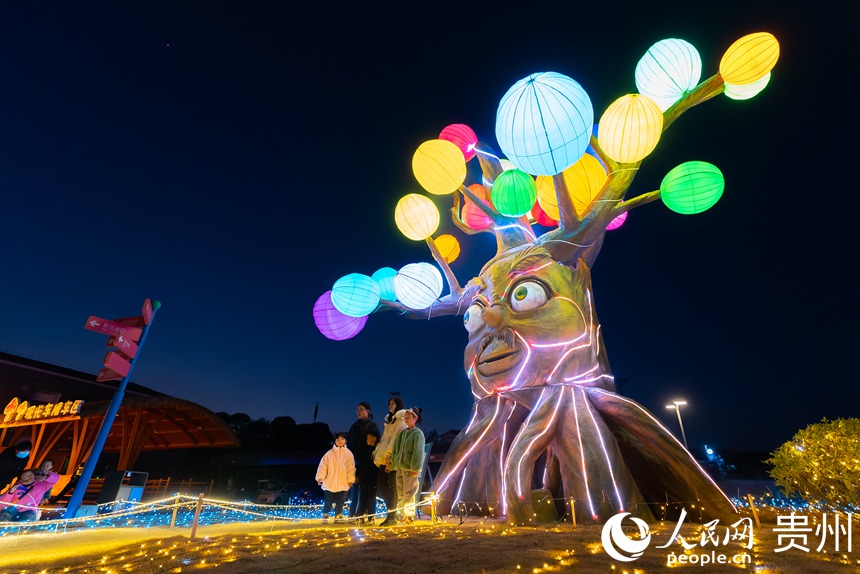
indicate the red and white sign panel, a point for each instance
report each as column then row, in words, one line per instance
column 147, row 311
column 125, row 346
column 131, row 321
column 100, row 325
column 108, row 375
column 116, row 363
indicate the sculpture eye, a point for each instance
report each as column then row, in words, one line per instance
column 528, row 295
column 472, row 320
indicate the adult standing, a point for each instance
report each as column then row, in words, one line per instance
column 386, row 481
column 356, row 440
column 13, row 461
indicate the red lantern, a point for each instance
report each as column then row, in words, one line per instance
column 471, row 213
column 541, row 217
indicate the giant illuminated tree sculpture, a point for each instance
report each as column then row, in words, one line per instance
column 545, row 412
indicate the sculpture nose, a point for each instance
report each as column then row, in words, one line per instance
column 493, row 316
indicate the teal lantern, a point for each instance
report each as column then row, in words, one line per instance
column 355, row 295
column 385, row 281
column 692, row 187
column 668, row 71
column 543, row 124
column 514, row 193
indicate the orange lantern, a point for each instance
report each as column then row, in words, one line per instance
column 749, row 59
column 448, row 246
column 584, row 180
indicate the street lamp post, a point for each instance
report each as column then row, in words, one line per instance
column 677, row 406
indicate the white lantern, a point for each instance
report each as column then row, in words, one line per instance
column 418, row 285
column 669, row 69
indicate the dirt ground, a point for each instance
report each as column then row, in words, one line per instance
column 476, row 546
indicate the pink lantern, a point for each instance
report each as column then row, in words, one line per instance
column 332, row 323
column 617, row 222
column 471, row 213
column 463, row 137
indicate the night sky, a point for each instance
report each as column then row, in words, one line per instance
column 233, row 159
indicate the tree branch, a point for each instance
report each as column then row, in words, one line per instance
column 711, row 87
column 626, row 206
column 568, row 219
column 453, row 284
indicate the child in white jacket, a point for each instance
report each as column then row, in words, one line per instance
column 335, row 474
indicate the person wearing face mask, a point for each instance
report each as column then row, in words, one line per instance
column 13, row 461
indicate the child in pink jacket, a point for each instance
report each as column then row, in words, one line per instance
column 335, row 474
column 21, row 502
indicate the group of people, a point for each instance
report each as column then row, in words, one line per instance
column 365, row 462
column 25, row 489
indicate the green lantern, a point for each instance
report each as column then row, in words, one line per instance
column 692, row 187
column 514, row 193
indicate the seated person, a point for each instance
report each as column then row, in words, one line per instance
column 21, row 502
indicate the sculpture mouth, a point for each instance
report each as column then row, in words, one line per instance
column 499, row 353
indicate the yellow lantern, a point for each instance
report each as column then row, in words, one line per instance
column 749, row 59
column 439, row 166
column 448, row 246
column 546, row 197
column 584, row 180
column 630, row 128
column 416, row 216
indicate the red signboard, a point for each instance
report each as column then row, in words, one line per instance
column 147, row 311
column 108, row 375
column 131, row 321
column 100, row 325
column 125, row 346
column 116, row 363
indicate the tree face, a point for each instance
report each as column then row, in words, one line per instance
column 532, row 324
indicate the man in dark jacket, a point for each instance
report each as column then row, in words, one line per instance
column 13, row 461
column 356, row 440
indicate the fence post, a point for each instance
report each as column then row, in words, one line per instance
column 433, row 508
column 754, row 510
column 572, row 512
column 175, row 509
column 196, row 515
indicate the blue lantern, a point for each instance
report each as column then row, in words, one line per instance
column 355, row 295
column 543, row 123
column 385, row 281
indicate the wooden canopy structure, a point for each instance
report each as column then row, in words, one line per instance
column 142, row 424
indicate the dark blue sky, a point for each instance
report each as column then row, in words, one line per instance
column 234, row 159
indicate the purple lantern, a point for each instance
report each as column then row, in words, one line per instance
column 334, row 324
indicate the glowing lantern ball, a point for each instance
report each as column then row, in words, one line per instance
column 547, row 199
column 514, row 193
column 332, row 323
column 584, row 180
column 630, row 128
column 668, row 70
column 355, row 295
column 749, row 58
column 471, row 214
column 461, row 136
column 543, row 123
column 617, row 222
column 416, row 216
column 540, row 216
column 385, row 281
column 439, row 166
column 448, row 246
column 692, row 187
column 418, row 285
column 747, row 91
